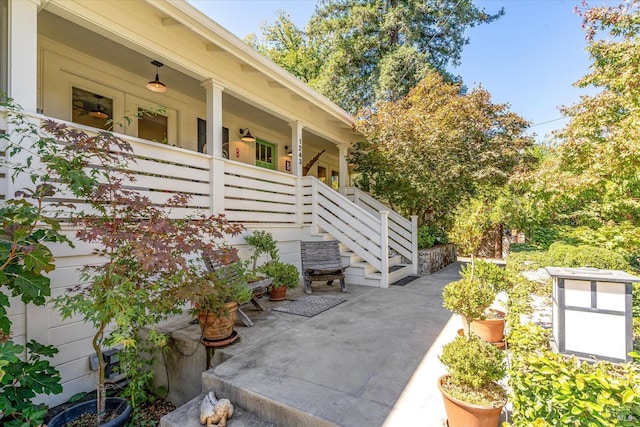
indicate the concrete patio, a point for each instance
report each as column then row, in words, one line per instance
column 370, row 361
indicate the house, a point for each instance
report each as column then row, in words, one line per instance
column 239, row 134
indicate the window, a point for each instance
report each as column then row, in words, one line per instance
column 335, row 179
column 152, row 127
column 322, row 174
column 265, row 154
column 90, row 109
column 202, row 138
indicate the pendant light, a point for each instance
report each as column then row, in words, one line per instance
column 98, row 112
column 247, row 137
column 156, row 85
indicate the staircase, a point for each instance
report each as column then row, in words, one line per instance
column 379, row 246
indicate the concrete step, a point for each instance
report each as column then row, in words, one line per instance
column 266, row 409
column 188, row 415
column 401, row 273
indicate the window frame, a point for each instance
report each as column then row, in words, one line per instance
column 263, row 163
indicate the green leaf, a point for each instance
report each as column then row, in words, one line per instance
column 628, row 396
column 32, row 287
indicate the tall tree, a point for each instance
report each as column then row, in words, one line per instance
column 436, row 147
column 289, row 47
column 372, row 50
column 591, row 177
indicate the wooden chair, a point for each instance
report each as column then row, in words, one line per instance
column 321, row 261
column 258, row 288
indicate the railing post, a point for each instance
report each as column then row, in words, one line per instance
column 414, row 244
column 299, row 204
column 384, row 248
column 216, row 185
column 314, row 206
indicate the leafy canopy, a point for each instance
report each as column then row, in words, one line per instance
column 358, row 52
column 436, row 147
column 590, row 178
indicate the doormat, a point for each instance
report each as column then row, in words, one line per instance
column 310, row 305
column 404, row 280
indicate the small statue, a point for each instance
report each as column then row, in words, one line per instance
column 215, row 411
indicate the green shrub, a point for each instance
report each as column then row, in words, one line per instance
column 431, row 235
column 564, row 255
column 553, row 390
column 519, row 301
column 468, row 298
column 261, row 243
column 542, row 237
column 474, row 367
column 282, row 274
column 489, row 273
column 528, row 338
column 523, row 247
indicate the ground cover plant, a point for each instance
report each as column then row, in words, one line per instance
column 549, row 389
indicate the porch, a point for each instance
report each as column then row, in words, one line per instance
column 75, row 58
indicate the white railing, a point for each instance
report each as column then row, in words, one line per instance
column 257, row 195
column 362, row 232
column 403, row 234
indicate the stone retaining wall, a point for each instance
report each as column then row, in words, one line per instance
column 433, row 259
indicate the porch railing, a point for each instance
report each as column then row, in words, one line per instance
column 403, row 234
column 364, row 233
column 256, row 195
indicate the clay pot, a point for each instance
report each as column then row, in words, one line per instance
column 499, row 344
column 463, row 414
column 278, row 294
column 489, row 330
column 216, row 327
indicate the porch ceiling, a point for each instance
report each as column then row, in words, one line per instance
column 102, row 48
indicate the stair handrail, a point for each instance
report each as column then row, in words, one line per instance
column 364, row 233
column 403, row 234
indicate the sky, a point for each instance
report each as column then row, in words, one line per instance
column 528, row 58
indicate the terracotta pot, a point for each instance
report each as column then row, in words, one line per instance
column 463, row 414
column 218, row 328
column 278, row 294
column 489, row 330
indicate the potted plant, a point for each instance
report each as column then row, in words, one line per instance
column 284, row 276
column 215, row 300
column 261, row 243
column 471, row 393
column 471, row 296
column 490, row 325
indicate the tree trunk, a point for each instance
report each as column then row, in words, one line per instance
column 497, row 251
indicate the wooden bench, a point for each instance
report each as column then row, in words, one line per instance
column 258, row 288
column 321, row 261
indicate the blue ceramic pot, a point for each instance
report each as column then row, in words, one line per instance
column 121, row 406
